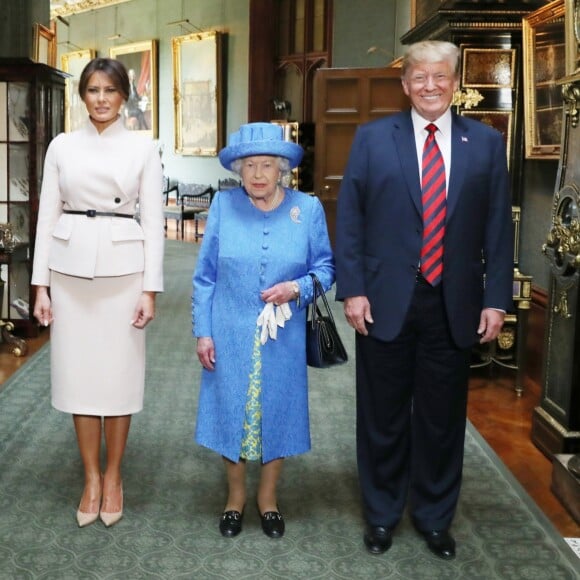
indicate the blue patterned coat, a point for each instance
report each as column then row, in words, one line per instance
column 245, row 251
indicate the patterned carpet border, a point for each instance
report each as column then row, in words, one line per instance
column 174, row 490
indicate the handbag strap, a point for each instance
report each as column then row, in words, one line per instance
column 319, row 292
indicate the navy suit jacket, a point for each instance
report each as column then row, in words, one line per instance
column 379, row 225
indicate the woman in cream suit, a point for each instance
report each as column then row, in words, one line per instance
column 97, row 271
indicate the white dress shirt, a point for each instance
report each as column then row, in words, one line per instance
column 442, row 136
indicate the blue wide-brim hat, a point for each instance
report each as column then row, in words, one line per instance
column 260, row 139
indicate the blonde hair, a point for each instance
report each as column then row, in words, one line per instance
column 431, row 51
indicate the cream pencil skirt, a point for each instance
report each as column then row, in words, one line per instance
column 97, row 355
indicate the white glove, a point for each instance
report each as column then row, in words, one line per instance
column 267, row 320
column 283, row 313
column 270, row 319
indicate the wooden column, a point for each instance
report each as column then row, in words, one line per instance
column 262, row 56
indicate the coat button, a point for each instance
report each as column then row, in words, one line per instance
column 117, row 200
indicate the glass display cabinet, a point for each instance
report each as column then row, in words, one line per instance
column 31, row 114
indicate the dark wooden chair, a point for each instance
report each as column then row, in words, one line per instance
column 169, row 188
column 192, row 203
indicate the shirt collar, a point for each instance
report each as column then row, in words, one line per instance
column 419, row 123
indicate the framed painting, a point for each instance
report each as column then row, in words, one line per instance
column 197, row 91
column 44, row 45
column 545, row 62
column 73, row 63
column 140, row 112
column 492, row 68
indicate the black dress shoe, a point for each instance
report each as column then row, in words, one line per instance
column 441, row 543
column 378, row 539
column 231, row 523
column 273, row 524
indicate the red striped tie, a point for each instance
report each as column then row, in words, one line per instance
column 434, row 199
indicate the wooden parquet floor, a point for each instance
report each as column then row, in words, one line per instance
column 502, row 418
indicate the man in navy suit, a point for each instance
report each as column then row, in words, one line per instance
column 417, row 318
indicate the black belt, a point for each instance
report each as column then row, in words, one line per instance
column 94, row 213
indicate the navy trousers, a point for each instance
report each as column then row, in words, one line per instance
column 411, row 417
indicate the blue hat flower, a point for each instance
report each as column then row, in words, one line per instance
column 260, row 139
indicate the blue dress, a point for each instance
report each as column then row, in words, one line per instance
column 244, row 251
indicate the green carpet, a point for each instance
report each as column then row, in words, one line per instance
column 174, row 490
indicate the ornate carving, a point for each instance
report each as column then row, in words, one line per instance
column 467, row 98
column 571, row 94
column 565, row 241
column 7, row 241
column 561, row 306
column 68, row 7
column 17, row 345
column 506, row 338
column 562, row 245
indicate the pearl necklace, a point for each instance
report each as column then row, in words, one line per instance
column 273, row 204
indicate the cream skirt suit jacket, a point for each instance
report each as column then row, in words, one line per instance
column 97, row 267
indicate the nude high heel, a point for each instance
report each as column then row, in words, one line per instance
column 111, row 518
column 86, row 518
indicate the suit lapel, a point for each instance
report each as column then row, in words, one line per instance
column 404, row 137
column 460, row 147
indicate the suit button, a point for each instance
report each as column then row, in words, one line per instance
column 117, row 200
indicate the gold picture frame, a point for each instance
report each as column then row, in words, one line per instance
column 44, row 44
column 197, row 93
column 544, row 54
column 67, row 8
column 572, row 36
column 140, row 112
column 73, row 63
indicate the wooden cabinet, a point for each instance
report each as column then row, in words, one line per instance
column 31, row 114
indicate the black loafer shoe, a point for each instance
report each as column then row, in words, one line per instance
column 378, row 539
column 231, row 523
column 441, row 543
column 273, row 524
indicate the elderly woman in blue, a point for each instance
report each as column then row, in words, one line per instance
column 251, row 289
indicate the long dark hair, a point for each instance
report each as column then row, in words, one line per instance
column 113, row 68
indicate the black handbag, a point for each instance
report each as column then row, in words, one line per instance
column 323, row 345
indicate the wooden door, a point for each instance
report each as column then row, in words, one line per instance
column 345, row 98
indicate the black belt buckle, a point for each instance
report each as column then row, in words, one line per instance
column 91, row 213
